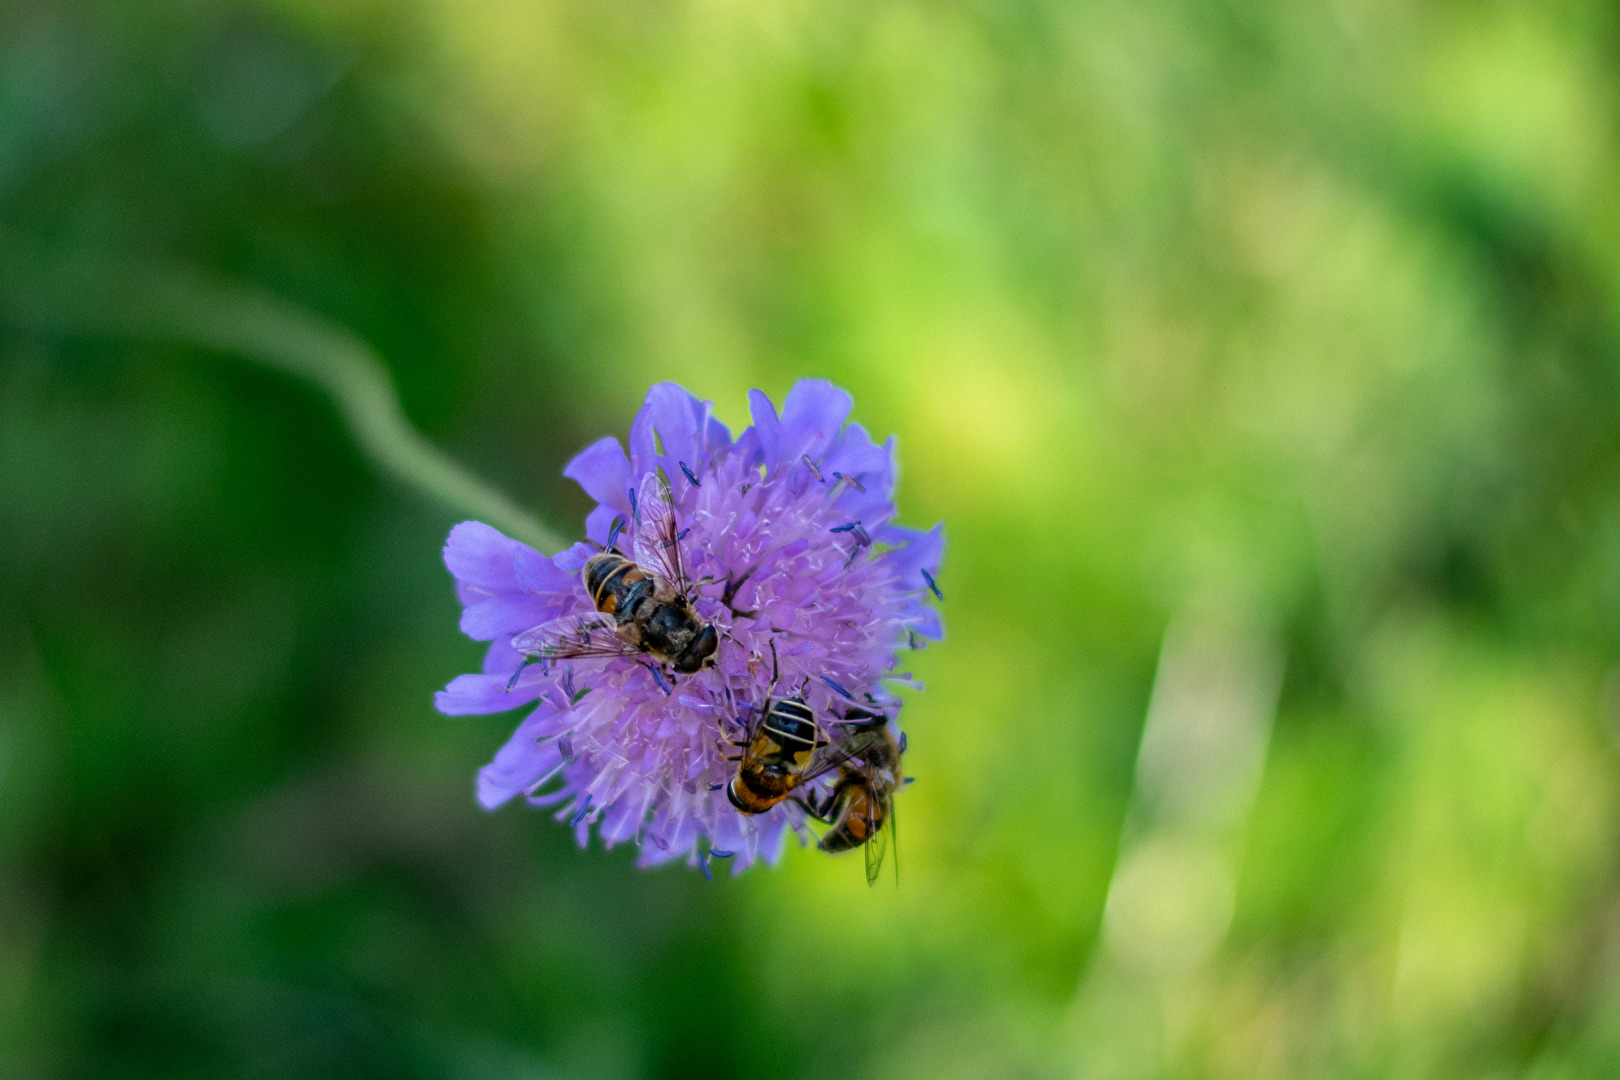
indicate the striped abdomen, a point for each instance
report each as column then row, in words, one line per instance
column 858, row 812
column 776, row 756
column 609, row 578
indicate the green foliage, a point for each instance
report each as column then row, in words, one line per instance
column 1300, row 315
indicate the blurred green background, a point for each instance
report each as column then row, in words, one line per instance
column 1263, row 360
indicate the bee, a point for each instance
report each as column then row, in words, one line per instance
column 643, row 605
column 776, row 751
column 860, row 807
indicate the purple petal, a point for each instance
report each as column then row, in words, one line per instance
column 523, row 761
column 921, row 551
column 540, row 575
column 508, row 614
column 470, row 694
column 483, row 557
column 604, row 472
column 812, row 416
column 767, row 429
column 684, row 424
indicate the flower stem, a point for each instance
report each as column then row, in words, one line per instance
column 252, row 324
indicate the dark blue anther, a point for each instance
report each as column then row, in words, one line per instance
column 565, row 746
column 703, row 864
column 911, row 639
column 851, row 527
column 658, row 677
column 718, row 854
column 635, row 511
column 584, row 808
column 688, row 473
column 614, row 530
column 837, row 688
column 527, row 660
column 716, row 787
column 812, row 467
column 568, row 683
column 931, row 585
column 902, row 742
column 862, row 537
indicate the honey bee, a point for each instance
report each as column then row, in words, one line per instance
column 643, row 605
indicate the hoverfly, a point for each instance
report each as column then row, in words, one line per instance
column 643, row 605
column 860, row 807
column 784, row 749
column 776, row 750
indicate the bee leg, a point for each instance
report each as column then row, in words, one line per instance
column 730, row 594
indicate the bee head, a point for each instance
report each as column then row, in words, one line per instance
column 699, row 654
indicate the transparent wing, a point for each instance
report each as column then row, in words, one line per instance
column 878, row 842
column 654, row 536
column 573, row 637
column 861, row 744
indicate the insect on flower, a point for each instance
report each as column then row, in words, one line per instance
column 860, row 807
column 643, row 606
column 631, row 662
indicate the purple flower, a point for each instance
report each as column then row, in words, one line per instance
column 795, row 516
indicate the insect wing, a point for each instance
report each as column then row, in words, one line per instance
column 880, row 839
column 655, row 539
column 574, row 637
column 859, row 745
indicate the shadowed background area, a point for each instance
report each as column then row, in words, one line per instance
column 1263, row 361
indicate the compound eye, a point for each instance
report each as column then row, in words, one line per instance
column 707, row 643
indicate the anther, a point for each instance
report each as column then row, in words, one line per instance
column 689, row 474
column 852, row 482
column 862, row 536
column 658, row 677
column 850, row 527
column 510, row 683
column 812, row 467
column 635, row 511
column 579, row 816
column 934, row 588
column 614, row 530
column 839, row 689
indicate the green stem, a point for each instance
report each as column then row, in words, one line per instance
column 254, row 325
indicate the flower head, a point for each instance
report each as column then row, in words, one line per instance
column 787, row 537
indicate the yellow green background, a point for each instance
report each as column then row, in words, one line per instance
column 1293, row 326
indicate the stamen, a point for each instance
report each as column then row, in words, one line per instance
column 527, row 660
column 635, row 511
column 658, row 677
column 688, row 473
column 931, row 585
column 862, row 535
column 579, row 816
column 812, row 466
column 850, row 527
column 837, row 688
column 852, row 481
column 613, row 531
column 565, row 746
